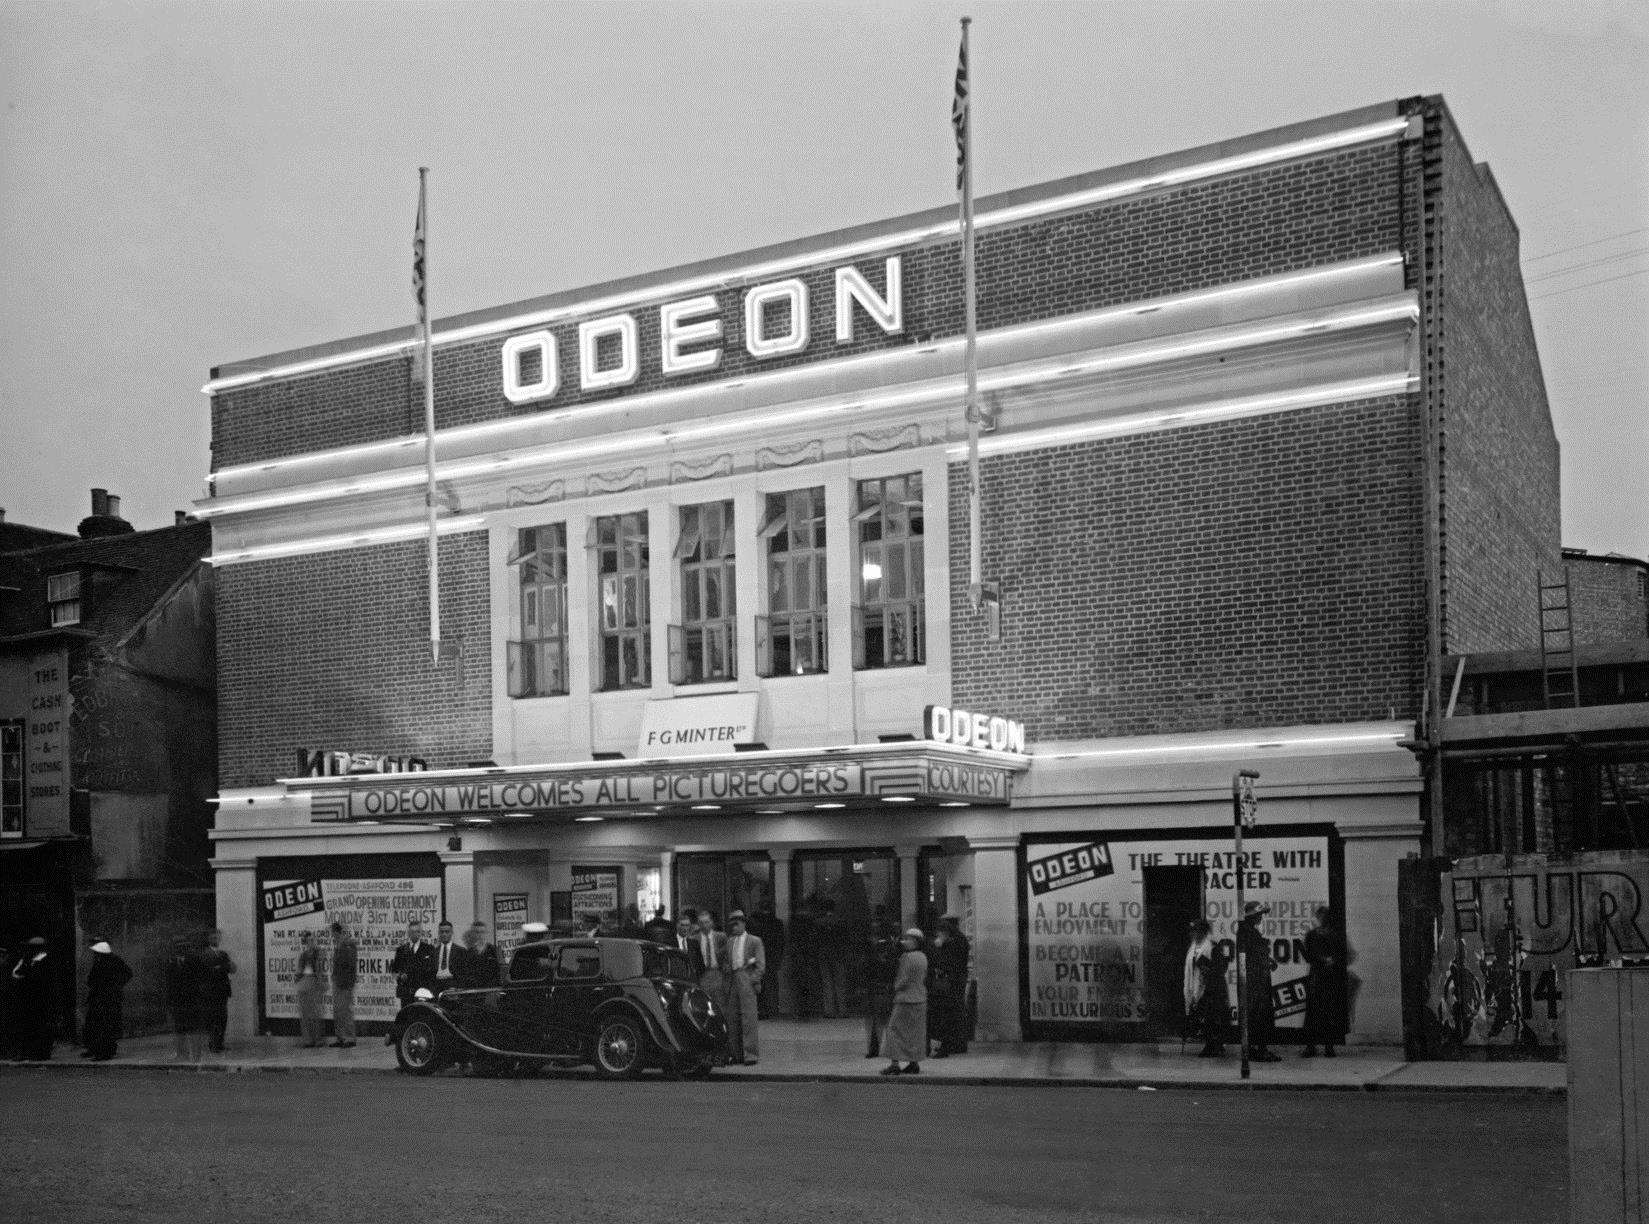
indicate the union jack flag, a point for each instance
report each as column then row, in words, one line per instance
column 418, row 282
column 959, row 111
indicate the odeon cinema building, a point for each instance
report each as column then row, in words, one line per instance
column 1264, row 440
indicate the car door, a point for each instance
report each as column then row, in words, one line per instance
column 577, row 991
column 517, row 1022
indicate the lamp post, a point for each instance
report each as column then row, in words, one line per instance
column 1244, row 808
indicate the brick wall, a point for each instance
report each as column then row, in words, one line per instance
column 1500, row 519
column 1262, row 572
column 1607, row 599
column 332, row 651
column 1336, row 207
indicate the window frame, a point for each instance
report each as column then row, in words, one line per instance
column 56, row 599
column 706, row 581
column 532, row 552
column 794, row 537
column 626, row 529
column 890, row 519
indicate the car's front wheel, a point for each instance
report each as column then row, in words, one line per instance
column 419, row 1050
column 620, row 1048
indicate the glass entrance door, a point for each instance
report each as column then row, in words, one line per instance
column 722, row 883
column 834, row 896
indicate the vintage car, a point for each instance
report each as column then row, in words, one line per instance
column 622, row 1004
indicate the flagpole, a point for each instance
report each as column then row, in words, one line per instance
column 976, row 589
column 428, row 359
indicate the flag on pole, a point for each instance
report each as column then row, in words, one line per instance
column 426, row 361
column 959, row 112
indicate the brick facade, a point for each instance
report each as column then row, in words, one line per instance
column 332, row 651
column 1608, row 598
column 1193, row 237
column 1499, row 452
column 1251, row 573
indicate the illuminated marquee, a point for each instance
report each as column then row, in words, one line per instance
column 775, row 318
column 971, row 729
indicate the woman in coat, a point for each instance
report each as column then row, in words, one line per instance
column 105, row 986
column 183, row 978
column 1207, row 1004
column 309, row 992
column 906, row 1037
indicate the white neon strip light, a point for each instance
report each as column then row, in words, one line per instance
column 937, row 390
column 1191, row 414
column 1281, row 744
column 1385, row 129
column 841, row 366
column 354, row 539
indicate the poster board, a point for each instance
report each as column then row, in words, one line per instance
column 1083, row 909
column 509, row 911
column 595, row 891
column 297, row 895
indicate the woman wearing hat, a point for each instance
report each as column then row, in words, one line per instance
column 1255, row 949
column 906, row 1037
column 105, row 986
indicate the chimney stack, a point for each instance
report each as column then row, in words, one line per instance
column 179, row 517
column 104, row 519
column 100, row 502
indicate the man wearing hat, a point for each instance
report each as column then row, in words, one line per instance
column 1255, row 949
column 746, row 963
column 532, row 932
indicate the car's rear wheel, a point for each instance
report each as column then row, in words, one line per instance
column 620, row 1048
column 419, row 1051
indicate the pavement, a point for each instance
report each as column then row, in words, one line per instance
column 833, row 1050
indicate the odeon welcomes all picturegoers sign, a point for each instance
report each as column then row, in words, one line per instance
column 776, row 323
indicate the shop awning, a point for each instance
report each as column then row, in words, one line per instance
column 860, row 776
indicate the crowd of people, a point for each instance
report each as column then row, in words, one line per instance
column 1208, row 1006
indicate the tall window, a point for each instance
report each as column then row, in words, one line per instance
column 790, row 639
column 621, row 547
column 538, row 662
column 888, row 625
column 703, row 646
column 63, row 594
column 11, row 778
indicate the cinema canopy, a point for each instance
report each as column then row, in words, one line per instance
column 703, row 562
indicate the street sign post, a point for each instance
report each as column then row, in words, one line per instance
column 1244, row 812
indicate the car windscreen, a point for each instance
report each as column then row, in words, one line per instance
column 531, row 963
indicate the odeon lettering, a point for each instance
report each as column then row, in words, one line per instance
column 775, row 322
column 971, row 729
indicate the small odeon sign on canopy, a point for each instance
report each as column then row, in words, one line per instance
column 972, row 729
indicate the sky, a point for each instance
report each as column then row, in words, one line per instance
column 186, row 185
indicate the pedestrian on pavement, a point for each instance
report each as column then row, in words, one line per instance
column 480, row 966
column 1207, row 1003
column 767, row 926
column 882, row 951
column 345, row 972
column 659, row 929
column 906, row 1038
column 947, row 995
column 105, row 988
column 1255, row 949
column 183, row 1000
column 1325, row 985
column 414, row 962
column 687, row 941
column 35, row 1001
column 449, row 958
column 710, row 946
column 217, row 967
column 309, row 992
column 747, row 965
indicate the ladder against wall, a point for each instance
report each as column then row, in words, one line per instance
column 1559, row 674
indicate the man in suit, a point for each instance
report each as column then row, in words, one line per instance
column 449, row 959
column 687, row 941
column 216, row 969
column 345, row 973
column 746, row 965
column 710, row 952
column 658, row 928
column 413, row 965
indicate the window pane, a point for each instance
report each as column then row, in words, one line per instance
column 712, row 594
column 690, row 598
column 609, row 602
column 804, row 583
column 778, row 586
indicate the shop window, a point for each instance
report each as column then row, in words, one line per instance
column 11, row 778
column 63, row 595
column 538, row 660
column 703, row 646
column 790, row 639
column 889, row 629
column 626, row 596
